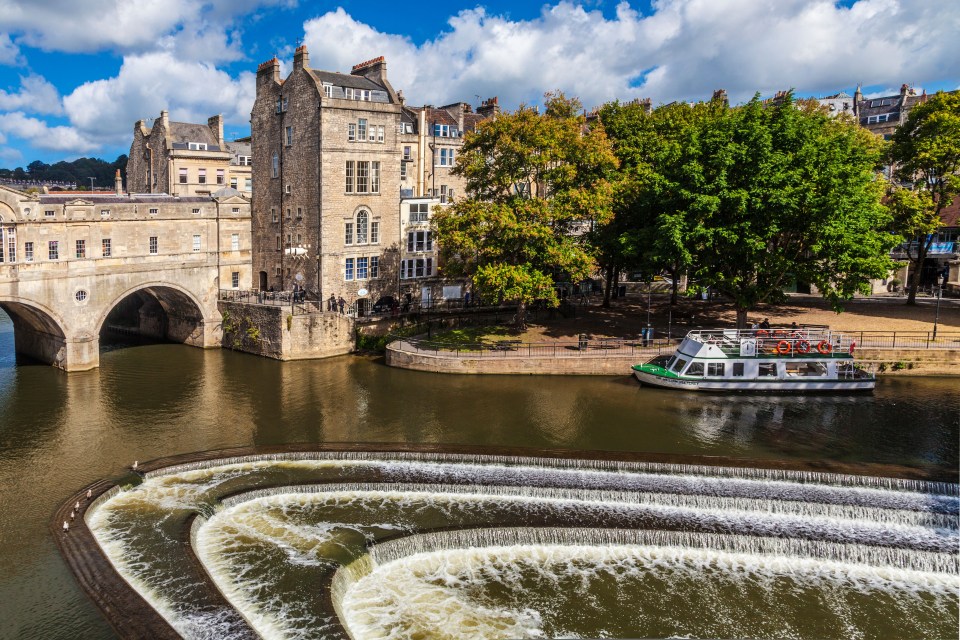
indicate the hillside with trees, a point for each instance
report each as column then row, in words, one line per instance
column 78, row 171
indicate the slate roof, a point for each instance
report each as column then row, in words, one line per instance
column 184, row 132
column 346, row 80
column 115, row 199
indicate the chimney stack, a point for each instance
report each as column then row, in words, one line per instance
column 301, row 58
column 216, row 127
column 165, row 119
column 489, row 108
column 268, row 71
column 118, row 183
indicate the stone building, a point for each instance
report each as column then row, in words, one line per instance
column 69, row 260
column 186, row 159
column 336, row 157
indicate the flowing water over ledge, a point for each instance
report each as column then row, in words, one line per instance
column 59, row 433
column 398, row 546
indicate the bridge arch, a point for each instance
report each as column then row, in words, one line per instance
column 39, row 332
column 160, row 310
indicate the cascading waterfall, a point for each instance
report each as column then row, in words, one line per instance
column 468, row 537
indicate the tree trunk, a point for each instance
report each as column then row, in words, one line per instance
column 916, row 271
column 609, row 283
column 741, row 318
column 674, row 287
column 520, row 320
column 616, row 278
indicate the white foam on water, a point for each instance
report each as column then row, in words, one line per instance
column 427, row 594
column 758, row 502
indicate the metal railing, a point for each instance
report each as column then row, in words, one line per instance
column 295, row 304
column 497, row 348
column 593, row 347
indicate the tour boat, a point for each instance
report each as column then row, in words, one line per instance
column 779, row 360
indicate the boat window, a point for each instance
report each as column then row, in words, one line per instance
column 794, row 369
column 738, row 368
column 678, row 365
column 696, row 369
column 719, row 368
column 767, row 369
column 670, row 362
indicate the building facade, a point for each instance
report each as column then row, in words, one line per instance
column 336, row 158
column 186, row 159
column 69, row 259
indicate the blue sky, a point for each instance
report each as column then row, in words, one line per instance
column 75, row 76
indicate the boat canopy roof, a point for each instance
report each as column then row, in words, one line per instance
column 738, row 343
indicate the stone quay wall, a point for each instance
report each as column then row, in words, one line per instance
column 402, row 354
column 566, row 362
column 276, row 332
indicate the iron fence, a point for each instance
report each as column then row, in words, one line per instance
column 586, row 346
column 295, row 304
column 515, row 348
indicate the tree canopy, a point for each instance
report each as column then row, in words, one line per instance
column 925, row 152
column 747, row 199
column 533, row 181
column 78, row 171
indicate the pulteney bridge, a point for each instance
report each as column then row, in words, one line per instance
column 74, row 265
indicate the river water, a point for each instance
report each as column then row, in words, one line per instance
column 59, row 432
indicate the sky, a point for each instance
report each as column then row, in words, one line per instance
column 76, row 75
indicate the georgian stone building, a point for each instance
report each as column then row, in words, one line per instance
column 186, row 159
column 68, row 260
column 337, row 156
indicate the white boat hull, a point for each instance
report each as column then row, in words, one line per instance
column 775, row 384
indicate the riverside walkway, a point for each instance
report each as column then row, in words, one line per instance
column 914, row 352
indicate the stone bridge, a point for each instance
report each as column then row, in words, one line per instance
column 71, row 264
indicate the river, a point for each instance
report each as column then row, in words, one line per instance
column 59, row 432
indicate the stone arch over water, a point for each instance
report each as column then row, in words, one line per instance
column 38, row 332
column 161, row 311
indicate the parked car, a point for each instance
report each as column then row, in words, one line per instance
column 385, row 304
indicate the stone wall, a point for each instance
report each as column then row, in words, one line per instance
column 918, row 362
column 274, row 332
column 884, row 361
column 588, row 364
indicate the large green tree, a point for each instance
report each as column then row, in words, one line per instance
column 533, row 182
column 777, row 192
column 651, row 228
column 925, row 152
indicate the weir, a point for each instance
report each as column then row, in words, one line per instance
column 279, row 527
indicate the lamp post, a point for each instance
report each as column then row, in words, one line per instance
column 936, row 318
column 91, row 179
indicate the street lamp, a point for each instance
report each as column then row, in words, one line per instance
column 91, row 179
column 936, row 318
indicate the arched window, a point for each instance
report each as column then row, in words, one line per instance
column 362, row 227
column 276, row 165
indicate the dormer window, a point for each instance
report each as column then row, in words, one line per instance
column 328, row 89
column 348, row 93
column 197, row 146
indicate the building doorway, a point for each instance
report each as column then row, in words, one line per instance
column 263, row 281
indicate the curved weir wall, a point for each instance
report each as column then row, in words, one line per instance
column 308, row 545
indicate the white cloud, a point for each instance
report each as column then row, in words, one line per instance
column 129, row 27
column 683, row 50
column 41, row 135
column 35, row 95
column 107, row 109
column 9, row 51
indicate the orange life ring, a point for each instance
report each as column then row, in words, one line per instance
column 824, row 347
column 763, row 332
column 779, row 332
column 783, row 347
column 803, row 346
